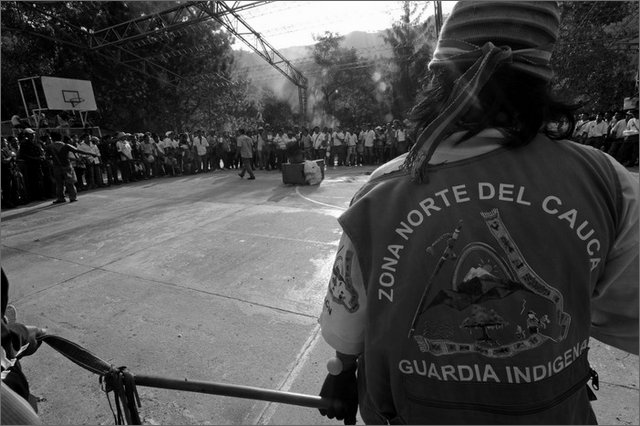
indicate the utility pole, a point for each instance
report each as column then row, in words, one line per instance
column 438, row 16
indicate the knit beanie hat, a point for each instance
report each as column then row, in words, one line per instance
column 478, row 38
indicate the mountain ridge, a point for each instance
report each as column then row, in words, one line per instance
column 369, row 45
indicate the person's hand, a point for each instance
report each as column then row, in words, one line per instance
column 24, row 335
column 343, row 388
column 34, row 334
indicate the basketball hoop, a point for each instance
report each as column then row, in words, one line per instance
column 74, row 101
column 72, row 97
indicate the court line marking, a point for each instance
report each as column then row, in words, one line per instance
column 305, row 352
column 318, row 202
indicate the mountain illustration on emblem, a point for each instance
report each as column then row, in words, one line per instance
column 478, row 286
column 489, row 304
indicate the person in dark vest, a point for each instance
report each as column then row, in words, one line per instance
column 474, row 270
column 31, row 154
column 63, row 172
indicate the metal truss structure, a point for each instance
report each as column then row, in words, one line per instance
column 118, row 43
column 242, row 30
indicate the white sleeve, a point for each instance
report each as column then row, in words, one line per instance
column 345, row 305
column 614, row 303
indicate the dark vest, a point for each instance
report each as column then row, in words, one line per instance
column 479, row 284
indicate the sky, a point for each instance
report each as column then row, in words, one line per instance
column 293, row 23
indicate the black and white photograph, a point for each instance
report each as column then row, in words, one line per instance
column 320, row 212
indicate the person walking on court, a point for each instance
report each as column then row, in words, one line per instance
column 246, row 154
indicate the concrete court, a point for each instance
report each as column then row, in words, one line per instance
column 206, row 277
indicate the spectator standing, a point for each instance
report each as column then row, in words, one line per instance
column 13, row 187
column 611, row 123
column 48, row 182
column 170, row 146
column 442, row 293
column 214, row 151
column 315, row 141
column 341, row 146
column 597, row 132
column 73, row 159
column 109, row 160
column 31, row 154
column 125, row 161
column 246, row 153
column 270, row 150
column 86, row 160
column 401, row 136
column 261, row 143
column 306, row 143
column 281, row 148
column 201, row 144
column 369, row 143
column 160, row 154
column 186, row 159
column 96, row 162
column 629, row 151
column 392, row 141
column 5, row 174
column 351, row 140
column 254, row 143
column 227, row 153
column 137, row 164
column 580, row 131
column 324, row 143
column 379, row 144
column 616, row 135
column 149, row 156
column 332, row 135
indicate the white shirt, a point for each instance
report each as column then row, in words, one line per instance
column 124, row 148
column 84, row 147
column 201, row 144
column 618, row 129
column 596, row 130
column 352, row 139
column 369, row 138
column 632, row 127
column 95, row 150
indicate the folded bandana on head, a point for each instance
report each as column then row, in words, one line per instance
column 477, row 38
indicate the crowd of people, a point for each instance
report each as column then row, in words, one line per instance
column 614, row 133
column 28, row 164
column 29, row 161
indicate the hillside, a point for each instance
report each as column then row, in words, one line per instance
column 368, row 45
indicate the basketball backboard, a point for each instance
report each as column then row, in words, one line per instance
column 68, row 94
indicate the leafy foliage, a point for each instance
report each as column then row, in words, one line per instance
column 592, row 63
column 51, row 39
column 411, row 42
column 348, row 88
column 277, row 112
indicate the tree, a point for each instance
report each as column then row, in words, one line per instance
column 590, row 63
column 483, row 319
column 411, row 43
column 346, row 85
column 48, row 39
column 276, row 112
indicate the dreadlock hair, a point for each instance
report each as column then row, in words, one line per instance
column 518, row 104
